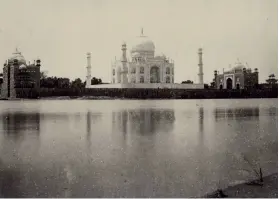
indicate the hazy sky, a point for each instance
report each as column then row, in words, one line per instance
column 60, row 32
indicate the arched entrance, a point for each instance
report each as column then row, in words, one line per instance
column 229, row 83
column 154, row 74
column 141, row 79
column 237, row 86
column 167, row 79
column 221, row 87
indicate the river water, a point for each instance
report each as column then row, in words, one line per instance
column 134, row 148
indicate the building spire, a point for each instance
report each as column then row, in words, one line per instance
column 16, row 50
column 238, row 61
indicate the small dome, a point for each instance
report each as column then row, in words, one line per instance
column 238, row 66
column 17, row 56
column 161, row 55
column 22, row 66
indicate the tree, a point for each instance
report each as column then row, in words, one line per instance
column 63, row 82
column 187, row 82
column 55, row 82
column 95, row 81
column 212, row 84
column 77, row 83
column 43, row 75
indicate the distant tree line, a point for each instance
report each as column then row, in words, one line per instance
column 187, row 82
column 64, row 83
column 95, row 81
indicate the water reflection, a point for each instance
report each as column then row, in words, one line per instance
column 17, row 123
column 237, row 113
column 57, row 117
column 272, row 111
column 201, row 147
column 88, row 125
column 201, row 124
column 10, row 182
column 143, row 121
column 152, row 151
column 17, row 128
column 91, row 118
column 120, row 122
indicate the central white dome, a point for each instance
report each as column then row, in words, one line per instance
column 143, row 44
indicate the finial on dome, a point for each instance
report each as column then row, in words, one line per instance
column 16, row 49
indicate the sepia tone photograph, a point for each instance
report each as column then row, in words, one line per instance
column 139, row 99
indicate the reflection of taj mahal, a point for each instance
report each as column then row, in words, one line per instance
column 143, row 121
column 144, row 70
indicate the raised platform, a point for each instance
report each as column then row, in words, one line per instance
column 148, row 86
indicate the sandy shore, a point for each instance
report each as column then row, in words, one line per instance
column 269, row 189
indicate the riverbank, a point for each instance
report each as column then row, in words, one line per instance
column 132, row 93
column 269, row 189
column 138, row 93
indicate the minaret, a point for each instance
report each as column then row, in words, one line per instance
column 88, row 76
column 200, row 66
column 124, row 48
column 124, row 71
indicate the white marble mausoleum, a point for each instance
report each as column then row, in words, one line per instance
column 144, row 70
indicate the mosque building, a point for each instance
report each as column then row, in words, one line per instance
column 19, row 78
column 144, row 70
column 239, row 77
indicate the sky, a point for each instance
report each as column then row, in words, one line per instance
column 61, row 32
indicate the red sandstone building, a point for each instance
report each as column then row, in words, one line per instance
column 239, row 77
column 20, row 80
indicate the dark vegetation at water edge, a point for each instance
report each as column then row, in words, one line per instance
column 132, row 93
column 269, row 189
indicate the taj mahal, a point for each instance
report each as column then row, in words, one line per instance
column 144, row 70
